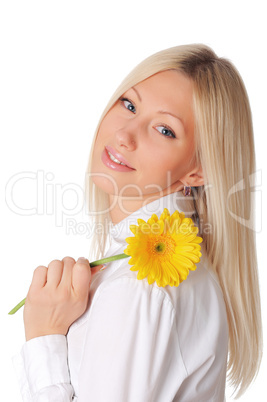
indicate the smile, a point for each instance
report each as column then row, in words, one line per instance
column 115, row 160
column 112, row 161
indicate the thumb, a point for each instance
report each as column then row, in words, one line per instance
column 81, row 276
column 97, row 268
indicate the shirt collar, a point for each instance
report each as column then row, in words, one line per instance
column 173, row 202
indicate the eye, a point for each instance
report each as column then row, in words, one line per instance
column 128, row 104
column 167, row 132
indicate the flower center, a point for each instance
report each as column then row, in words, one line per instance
column 162, row 245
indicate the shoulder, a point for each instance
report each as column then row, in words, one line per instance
column 200, row 293
column 126, row 292
column 200, row 302
column 124, row 282
column 195, row 310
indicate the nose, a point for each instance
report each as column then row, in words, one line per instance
column 126, row 137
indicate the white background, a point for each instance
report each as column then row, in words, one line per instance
column 60, row 63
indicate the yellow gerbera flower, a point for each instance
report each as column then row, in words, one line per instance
column 164, row 249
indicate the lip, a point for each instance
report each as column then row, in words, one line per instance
column 118, row 156
column 113, row 165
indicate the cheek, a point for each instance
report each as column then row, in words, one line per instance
column 174, row 159
column 104, row 128
column 109, row 122
column 166, row 166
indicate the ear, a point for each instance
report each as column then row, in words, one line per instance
column 194, row 178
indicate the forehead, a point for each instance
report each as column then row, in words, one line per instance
column 171, row 81
column 170, row 87
column 170, row 90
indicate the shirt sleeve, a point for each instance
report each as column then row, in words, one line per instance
column 42, row 370
column 131, row 352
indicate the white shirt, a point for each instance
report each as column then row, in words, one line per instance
column 136, row 342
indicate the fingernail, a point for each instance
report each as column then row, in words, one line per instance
column 104, row 267
column 83, row 260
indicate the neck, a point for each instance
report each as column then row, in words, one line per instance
column 121, row 207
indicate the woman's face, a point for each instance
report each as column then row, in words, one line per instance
column 146, row 141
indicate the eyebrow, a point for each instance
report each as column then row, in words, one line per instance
column 160, row 111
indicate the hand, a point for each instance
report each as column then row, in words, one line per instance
column 58, row 295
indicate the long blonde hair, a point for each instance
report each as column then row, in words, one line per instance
column 225, row 150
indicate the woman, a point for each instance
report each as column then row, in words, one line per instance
column 180, row 121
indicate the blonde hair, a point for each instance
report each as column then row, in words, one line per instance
column 225, row 150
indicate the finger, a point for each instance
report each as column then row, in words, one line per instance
column 69, row 263
column 54, row 273
column 81, row 277
column 94, row 270
column 39, row 277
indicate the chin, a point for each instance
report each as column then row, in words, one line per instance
column 107, row 184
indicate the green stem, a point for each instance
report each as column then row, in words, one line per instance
column 92, row 264
column 108, row 259
column 17, row 307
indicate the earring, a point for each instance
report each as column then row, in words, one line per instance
column 187, row 191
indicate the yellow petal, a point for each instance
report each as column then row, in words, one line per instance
column 172, row 270
column 183, row 261
column 153, row 219
column 132, row 261
column 164, row 214
column 157, row 228
column 146, row 269
column 130, row 240
column 183, row 247
column 198, row 240
column 133, row 229
column 140, row 221
column 193, row 257
column 134, row 268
